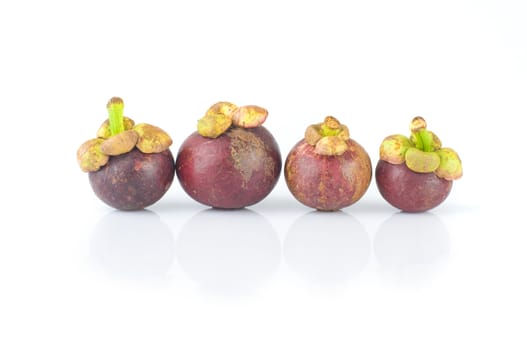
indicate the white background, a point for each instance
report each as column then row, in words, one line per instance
column 76, row 274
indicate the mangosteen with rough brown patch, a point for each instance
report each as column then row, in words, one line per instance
column 415, row 173
column 327, row 170
column 130, row 166
column 231, row 161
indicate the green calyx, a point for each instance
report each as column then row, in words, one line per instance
column 329, row 138
column 222, row 115
column 421, row 152
column 119, row 135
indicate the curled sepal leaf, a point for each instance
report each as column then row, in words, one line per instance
column 436, row 142
column 450, row 167
column 393, row 148
column 344, row 132
column 225, row 108
column 213, row 125
column 331, row 146
column 90, row 157
column 121, row 143
column 420, row 161
column 249, row 116
column 313, row 134
column 105, row 131
column 151, row 138
column 418, row 123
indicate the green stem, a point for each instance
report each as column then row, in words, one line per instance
column 423, row 139
column 417, row 140
column 115, row 115
column 427, row 139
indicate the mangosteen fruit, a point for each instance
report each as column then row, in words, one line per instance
column 231, row 161
column 327, row 170
column 415, row 173
column 129, row 165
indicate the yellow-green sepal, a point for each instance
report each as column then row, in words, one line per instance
column 420, row 161
column 393, row 148
column 450, row 167
column 213, row 125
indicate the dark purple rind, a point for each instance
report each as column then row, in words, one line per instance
column 327, row 182
column 410, row 191
column 134, row 180
column 235, row 170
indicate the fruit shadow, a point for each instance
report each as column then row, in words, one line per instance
column 134, row 245
column 411, row 247
column 228, row 252
column 327, row 248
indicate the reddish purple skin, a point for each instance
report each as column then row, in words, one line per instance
column 408, row 190
column 235, row 170
column 327, row 183
column 134, row 180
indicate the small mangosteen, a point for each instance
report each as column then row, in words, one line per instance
column 415, row 173
column 327, row 170
column 130, row 166
column 232, row 161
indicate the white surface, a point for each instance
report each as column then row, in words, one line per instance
column 75, row 274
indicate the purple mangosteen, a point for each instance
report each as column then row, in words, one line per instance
column 130, row 165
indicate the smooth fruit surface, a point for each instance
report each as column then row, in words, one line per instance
column 234, row 170
column 328, row 182
column 134, row 180
column 408, row 190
